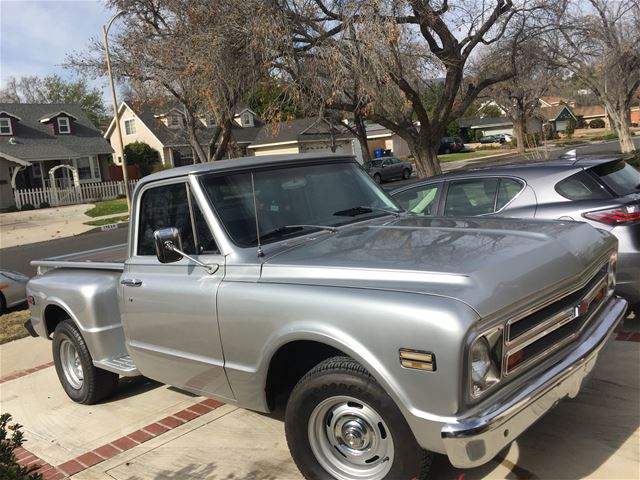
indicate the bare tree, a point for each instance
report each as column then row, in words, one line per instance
column 399, row 51
column 202, row 54
column 597, row 41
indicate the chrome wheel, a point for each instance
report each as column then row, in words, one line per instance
column 350, row 439
column 71, row 365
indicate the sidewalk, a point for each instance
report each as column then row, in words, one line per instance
column 22, row 228
column 151, row 431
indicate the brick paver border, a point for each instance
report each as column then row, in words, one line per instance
column 122, row 444
column 24, row 373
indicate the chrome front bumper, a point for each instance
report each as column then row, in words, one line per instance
column 473, row 441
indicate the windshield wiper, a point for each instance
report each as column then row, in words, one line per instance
column 355, row 211
column 280, row 231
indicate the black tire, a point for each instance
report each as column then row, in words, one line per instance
column 377, row 178
column 337, row 378
column 3, row 304
column 406, row 173
column 96, row 383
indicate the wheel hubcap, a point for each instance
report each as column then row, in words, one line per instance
column 350, row 439
column 71, row 365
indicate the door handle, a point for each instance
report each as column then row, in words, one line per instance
column 131, row 282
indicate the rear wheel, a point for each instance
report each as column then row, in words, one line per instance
column 341, row 424
column 377, row 178
column 83, row 382
column 406, row 173
column 3, row 304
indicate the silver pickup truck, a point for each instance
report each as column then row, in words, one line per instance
column 297, row 281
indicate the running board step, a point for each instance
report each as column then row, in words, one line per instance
column 122, row 365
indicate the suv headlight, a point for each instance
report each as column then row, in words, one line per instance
column 484, row 362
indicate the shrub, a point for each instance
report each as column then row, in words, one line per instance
column 27, row 206
column 143, row 156
column 597, row 123
column 45, row 205
column 9, row 467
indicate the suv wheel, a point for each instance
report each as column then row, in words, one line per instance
column 377, row 178
column 406, row 173
column 341, row 424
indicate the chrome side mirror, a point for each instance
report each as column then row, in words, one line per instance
column 166, row 241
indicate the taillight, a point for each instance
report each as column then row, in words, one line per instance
column 616, row 216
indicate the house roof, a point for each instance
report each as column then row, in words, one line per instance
column 485, row 122
column 551, row 113
column 293, row 131
column 554, row 100
column 49, row 116
column 590, row 111
column 34, row 141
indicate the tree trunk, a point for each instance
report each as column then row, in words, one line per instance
column 622, row 124
column 426, row 158
column 190, row 127
column 225, row 136
column 361, row 134
column 519, row 127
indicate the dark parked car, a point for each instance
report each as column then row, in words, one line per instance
column 450, row 145
column 388, row 168
column 604, row 192
column 489, row 139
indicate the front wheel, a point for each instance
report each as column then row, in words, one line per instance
column 406, row 173
column 377, row 178
column 83, row 382
column 341, row 424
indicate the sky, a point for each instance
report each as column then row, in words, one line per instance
column 35, row 36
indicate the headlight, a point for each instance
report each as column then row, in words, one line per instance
column 16, row 277
column 485, row 371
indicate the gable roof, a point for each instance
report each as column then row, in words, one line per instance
column 552, row 113
column 34, row 140
column 299, row 130
column 50, row 116
column 590, row 111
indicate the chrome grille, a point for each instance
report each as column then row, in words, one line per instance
column 553, row 326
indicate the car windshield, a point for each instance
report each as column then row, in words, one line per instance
column 619, row 176
column 292, row 201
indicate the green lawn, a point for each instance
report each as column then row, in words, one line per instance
column 107, row 221
column 108, row 207
column 452, row 157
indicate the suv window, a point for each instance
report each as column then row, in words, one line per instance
column 163, row 207
column 508, row 189
column 581, row 186
column 468, row 198
column 419, row 200
column 619, row 176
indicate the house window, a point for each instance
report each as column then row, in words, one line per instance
column 36, row 169
column 246, row 119
column 84, row 168
column 64, row 126
column 174, row 120
column 130, row 126
column 5, row 126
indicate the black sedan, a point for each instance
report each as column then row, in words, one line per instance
column 388, row 168
column 604, row 192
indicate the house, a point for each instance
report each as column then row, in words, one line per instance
column 311, row 134
column 558, row 117
column 35, row 138
column 379, row 137
column 163, row 130
column 586, row 114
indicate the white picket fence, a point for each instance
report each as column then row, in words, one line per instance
column 86, row 192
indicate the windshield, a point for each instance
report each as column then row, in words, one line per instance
column 293, row 201
column 619, row 176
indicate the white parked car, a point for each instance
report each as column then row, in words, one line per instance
column 12, row 289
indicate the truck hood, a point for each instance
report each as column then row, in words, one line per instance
column 487, row 263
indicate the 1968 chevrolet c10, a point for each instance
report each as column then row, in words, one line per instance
column 296, row 279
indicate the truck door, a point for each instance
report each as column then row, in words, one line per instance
column 169, row 310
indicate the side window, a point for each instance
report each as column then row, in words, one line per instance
column 508, row 189
column 387, row 162
column 420, row 200
column 163, row 207
column 468, row 198
column 206, row 242
column 581, row 186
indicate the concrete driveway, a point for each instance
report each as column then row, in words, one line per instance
column 151, row 431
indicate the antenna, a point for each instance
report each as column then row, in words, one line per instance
column 255, row 211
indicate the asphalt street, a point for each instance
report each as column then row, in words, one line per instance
column 19, row 258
